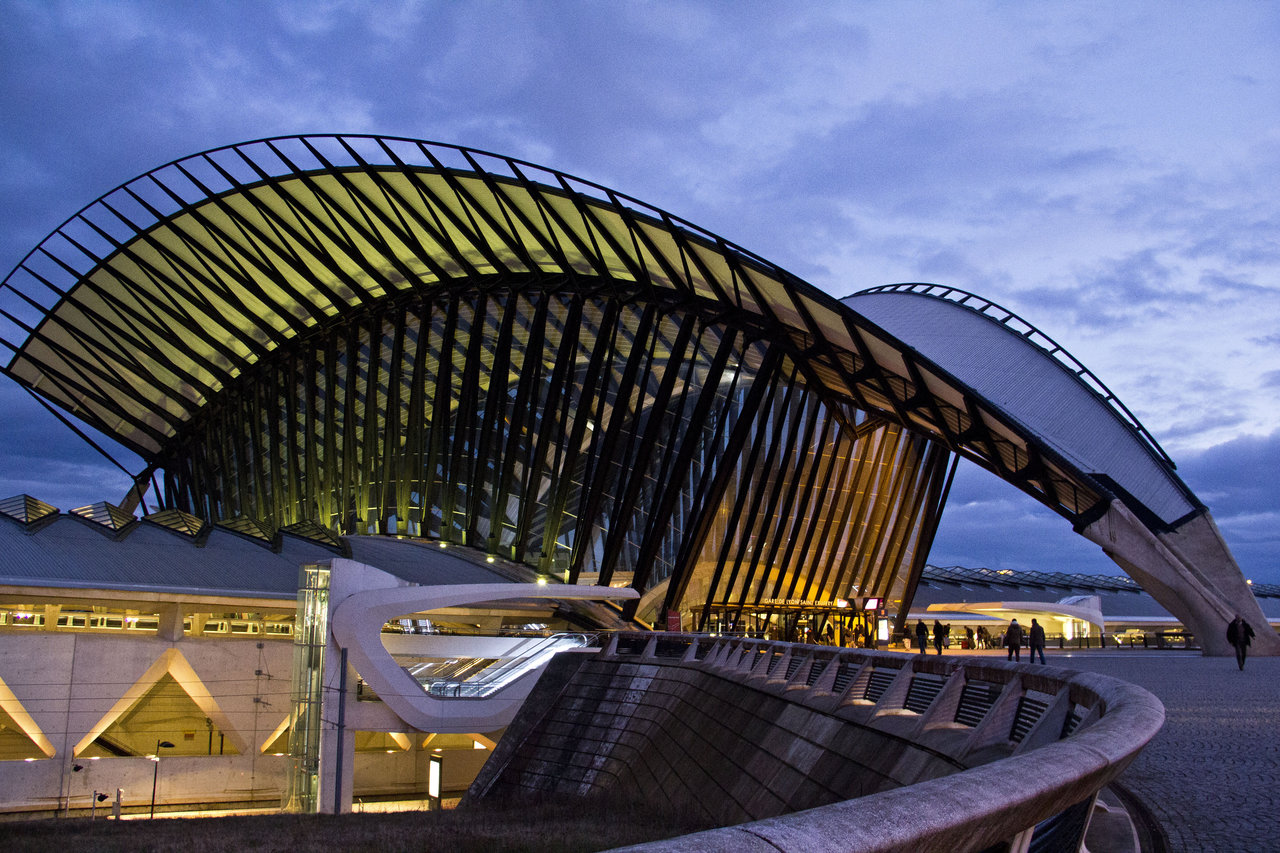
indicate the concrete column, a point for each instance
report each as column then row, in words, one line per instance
column 1188, row 571
column 171, row 623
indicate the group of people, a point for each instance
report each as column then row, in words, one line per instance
column 941, row 636
column 1239, row 635
column 1014, row 638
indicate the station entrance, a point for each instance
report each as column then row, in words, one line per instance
column 858, row 623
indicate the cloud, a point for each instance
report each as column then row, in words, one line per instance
column 989, row 523
column 1238, row 481
column 1106, row 172
column 45, row 459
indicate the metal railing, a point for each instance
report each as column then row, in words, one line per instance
column 493, row 678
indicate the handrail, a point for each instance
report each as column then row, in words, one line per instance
column 494, row 678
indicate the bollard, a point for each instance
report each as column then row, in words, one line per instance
column 115, row 807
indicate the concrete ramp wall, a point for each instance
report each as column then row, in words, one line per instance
column 747, row 730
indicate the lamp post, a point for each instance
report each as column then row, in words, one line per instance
column 66, row 807
column 155, row 775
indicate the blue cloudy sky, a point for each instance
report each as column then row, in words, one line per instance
column 1106, row 170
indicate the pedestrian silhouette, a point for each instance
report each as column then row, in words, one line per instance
column 1013, row 640
column 1239, row 634
column 1036, row 641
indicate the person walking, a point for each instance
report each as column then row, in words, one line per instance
column 1239, row 634
column 1036, row 641
column 922, row 636
column 939, row 635
column 1013, row 640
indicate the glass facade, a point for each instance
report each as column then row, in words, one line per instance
column 591, row 436
column 307, row 712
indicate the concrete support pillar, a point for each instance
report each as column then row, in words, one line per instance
column 334, row 791
column 171, row 627
column 1188, row 571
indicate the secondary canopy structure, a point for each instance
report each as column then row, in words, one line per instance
column 389, row 336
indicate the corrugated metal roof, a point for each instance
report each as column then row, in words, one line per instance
column 72, row 551
column 1030, row 387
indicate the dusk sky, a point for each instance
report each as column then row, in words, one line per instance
column 1108, row 171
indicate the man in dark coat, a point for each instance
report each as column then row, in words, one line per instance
column 939, row 635
column 1013, row 640
column 922, row 636
column 1239, row 634
column 1036, row 641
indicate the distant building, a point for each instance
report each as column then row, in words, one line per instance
column 1078, row 608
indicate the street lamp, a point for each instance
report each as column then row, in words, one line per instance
column 155, row 775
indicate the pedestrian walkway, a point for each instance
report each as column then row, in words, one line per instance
column 1211, row 777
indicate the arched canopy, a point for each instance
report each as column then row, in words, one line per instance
column 244, row 319
column 141, row 308
column 1012, row 365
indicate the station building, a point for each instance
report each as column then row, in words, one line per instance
column 1076, row 610
column 351, row 352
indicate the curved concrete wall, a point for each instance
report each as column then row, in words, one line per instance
column 826, row 749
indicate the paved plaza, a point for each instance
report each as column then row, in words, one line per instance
column 1212, row 776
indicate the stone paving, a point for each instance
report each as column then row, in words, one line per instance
column 1212, row 775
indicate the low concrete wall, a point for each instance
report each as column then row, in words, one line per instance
column 826, row 749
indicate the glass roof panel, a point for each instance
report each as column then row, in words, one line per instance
column 105, row 514
column 26, row 509
column 830, row 323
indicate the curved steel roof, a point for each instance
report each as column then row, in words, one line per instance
column 1034, row 381
column 138, row 311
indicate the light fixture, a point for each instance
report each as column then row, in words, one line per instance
column 155, row 775
column 434, row 773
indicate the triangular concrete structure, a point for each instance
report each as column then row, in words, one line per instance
column 173, row 664
column 13, row 716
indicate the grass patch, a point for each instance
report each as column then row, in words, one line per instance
column 550, row 826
